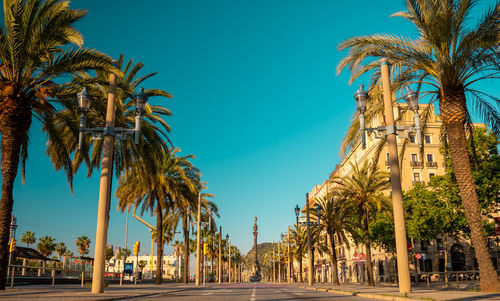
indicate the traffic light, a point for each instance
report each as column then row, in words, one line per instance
column 205, row 248
column 137, row 248
column 12, row 245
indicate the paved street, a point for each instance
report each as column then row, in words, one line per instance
column 245, row 291
column 252, row 292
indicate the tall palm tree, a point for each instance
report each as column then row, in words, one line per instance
column 33, row 53
column 300, row 246
column 363, row 190
column 448, row 57
column 83, row 245
column 28, row 238
column 153, row 187
column 336, row 217
column 46, row 245
column 61, row 249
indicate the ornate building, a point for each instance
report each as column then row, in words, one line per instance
column 416, row 167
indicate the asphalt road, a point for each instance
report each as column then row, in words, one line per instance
column 251, row 292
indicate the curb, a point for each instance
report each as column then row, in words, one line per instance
column 364, row 295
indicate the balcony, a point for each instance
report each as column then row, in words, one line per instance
column 415, row 163
column 431, row 164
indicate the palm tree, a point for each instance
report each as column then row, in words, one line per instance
column 362, row 190
column 68, row 254
column 154, row 187
column 83, row 245
column 448, row 57
column 46, row 245
column 28, row 238
column 177, row 253
column 61, row 249
column 33, row 53
column 336, row 217
column 300, row 248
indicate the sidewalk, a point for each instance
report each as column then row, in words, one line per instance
column 75, row 292
column 383, row 292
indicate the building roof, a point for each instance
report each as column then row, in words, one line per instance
column 28, row 253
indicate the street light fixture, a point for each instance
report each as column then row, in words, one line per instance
column 84, row 98
column 410, row 96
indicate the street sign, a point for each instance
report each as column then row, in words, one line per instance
column 418, row 256
column 424, row 256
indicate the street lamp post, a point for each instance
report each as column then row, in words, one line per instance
column 309, row 251
column 228, row 259
column 288, row 273
column 198, row 235
column 272, row 260
column 219, row 266
column 108, row 134
column 279, row 262
column 390, row 132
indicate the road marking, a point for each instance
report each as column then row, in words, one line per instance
column 207, row 293
column 252, row 297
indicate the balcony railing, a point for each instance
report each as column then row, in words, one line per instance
column 415, row 163
column 431, row 164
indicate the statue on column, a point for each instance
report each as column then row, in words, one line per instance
column 256, row 276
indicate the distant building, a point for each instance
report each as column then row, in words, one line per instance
column 171, row 268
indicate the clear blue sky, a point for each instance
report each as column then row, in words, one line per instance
column 256, row 99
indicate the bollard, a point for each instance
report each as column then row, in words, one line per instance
column 458, row 283
column 121, row 278
column 428, row 280
column 12, row 277
column 83, row 276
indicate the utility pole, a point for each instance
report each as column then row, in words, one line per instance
column 198, row 241
column 397, row 201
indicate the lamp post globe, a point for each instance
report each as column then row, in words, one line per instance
column 140, row 101
column 411, row 98
column 361, row 97
column 83, row 100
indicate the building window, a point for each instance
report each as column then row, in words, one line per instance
column 414, row 157
column 423, row 245
column 427, row 139
column 412, row 138
column 431, row 175
column 430, row 158
column 387, row 159
column 416, row 177
column 439, row 244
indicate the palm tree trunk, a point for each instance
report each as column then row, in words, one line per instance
column 369, row 267
column 300, row 268
column 185, row 228
column 12, row 132
column 159, row 245
column 453, row 112
column 335, row 278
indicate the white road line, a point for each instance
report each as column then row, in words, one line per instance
column 252, row 297
column 207, row 293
